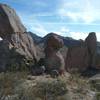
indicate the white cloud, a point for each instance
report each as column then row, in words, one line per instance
column 82, row 35
column 39, row 29
column 85, row 17
column 98, row 36
column 78, row 35
column 80, row 11
column 64, row 29
column 1, row 39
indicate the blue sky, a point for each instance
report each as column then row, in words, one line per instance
column 74, row 18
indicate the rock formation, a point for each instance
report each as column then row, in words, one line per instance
column 17, row 45
column 54, row 59
column 91, row 42
column 9, row 21
column 23, row 43
column 97, row 56
column 15, row 41
column 79, row 58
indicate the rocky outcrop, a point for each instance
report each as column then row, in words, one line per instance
column 91, row 42
column 23, row 43
column 17, row 45
column 9, row 21
column 79, row 58
column 54, row 59
column 97, row 56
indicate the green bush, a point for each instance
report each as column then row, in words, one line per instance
column 98, row 96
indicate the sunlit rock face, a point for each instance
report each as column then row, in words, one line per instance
column 79, row 58
column 23, row 43
column 9, row 21
column 16, row 43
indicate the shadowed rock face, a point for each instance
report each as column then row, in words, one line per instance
column 9, row 21
column 53, row 43
column 91, row 42
column 16, row 43
column 97, row 56
column 79, row 58
column 54, row 59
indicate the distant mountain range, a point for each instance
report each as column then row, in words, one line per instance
column 68, row 41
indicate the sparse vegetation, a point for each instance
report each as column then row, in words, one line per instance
column 98, row 96
column 16, row 86
column 51, row 88
column 95, row 86
column 8, row 82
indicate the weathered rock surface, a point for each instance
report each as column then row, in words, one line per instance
column 4, row 51
column 91, row 42
column 79, row 58
column 16, row 43
column 97, row 56
column 23, row 43
column 9, row 21
column 54, row 59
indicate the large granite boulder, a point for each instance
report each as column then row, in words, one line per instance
column 17, row 45
column 9, row 21
column 80, row 57
column 54, row 59
column 23, row 43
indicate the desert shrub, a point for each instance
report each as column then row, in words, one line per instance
column 98, row 96
column 8, row 82
column 51, row 88
column 78, row 84
column 64, row 97
column 95, row 85
column 26, row 94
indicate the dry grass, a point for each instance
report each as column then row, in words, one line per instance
column 20, row 86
